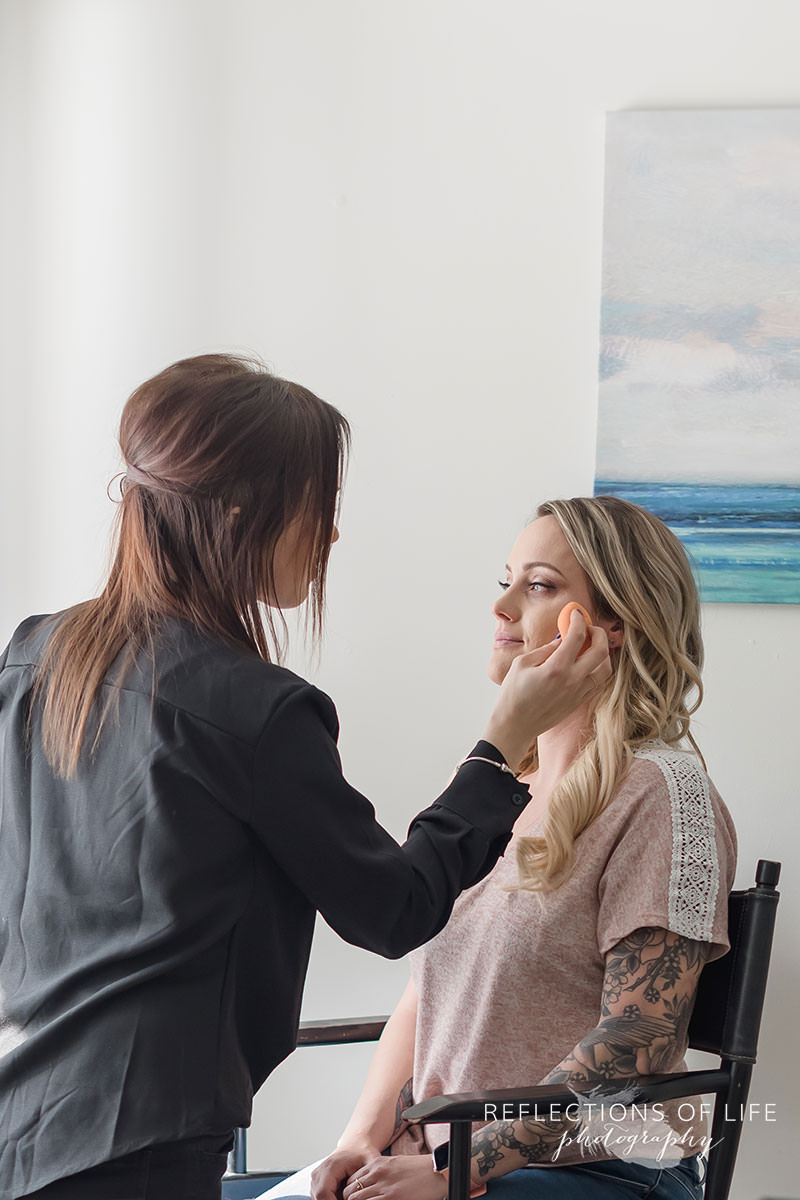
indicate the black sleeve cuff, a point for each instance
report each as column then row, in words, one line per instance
column 489, row 799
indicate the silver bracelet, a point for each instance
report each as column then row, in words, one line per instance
column 501, row 766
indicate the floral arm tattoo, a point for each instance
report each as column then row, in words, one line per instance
column 648, row 994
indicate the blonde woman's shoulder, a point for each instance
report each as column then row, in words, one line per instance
column 671, row 827
column 674, row 780
column 672, row 761
column 670, row 776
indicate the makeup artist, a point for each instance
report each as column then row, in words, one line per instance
column 172, row 807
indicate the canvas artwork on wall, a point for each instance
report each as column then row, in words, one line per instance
column 699, row 397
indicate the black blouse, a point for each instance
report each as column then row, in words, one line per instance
column 156, row 911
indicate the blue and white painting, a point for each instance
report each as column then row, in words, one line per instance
column 699, row 405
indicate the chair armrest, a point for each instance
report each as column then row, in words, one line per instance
column 522, row 1102
column 344, row 1029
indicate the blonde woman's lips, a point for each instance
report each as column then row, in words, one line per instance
column 507, row 641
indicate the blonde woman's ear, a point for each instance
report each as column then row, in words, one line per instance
column 616, row 633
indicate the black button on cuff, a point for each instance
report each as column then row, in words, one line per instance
column 519, row 800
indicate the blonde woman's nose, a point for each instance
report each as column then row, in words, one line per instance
column 503, row 608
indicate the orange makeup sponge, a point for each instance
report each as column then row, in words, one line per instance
column 563, row 623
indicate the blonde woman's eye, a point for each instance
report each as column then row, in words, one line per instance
column 503, row 585
column 537, row 583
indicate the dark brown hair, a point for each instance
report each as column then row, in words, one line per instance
column 205, row 436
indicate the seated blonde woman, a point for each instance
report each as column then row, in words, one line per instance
column 576, row 959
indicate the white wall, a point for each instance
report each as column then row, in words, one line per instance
column 397, row 202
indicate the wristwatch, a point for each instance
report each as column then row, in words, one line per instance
column 441, row 1162
column 441, row 1158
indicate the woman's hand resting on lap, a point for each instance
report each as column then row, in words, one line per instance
column 400, row 1177
column 333, row 1171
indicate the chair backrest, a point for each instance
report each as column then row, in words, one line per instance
column 735, row 984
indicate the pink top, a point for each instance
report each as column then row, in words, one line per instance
column 515, row 979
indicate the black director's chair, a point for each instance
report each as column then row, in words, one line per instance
column 725, row 1021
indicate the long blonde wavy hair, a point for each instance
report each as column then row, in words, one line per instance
column 637, row 570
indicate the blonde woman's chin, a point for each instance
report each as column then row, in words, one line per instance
column 501, row 659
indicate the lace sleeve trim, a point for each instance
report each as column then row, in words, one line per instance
column 694, row 871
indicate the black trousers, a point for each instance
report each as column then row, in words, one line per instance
column 187, row 1170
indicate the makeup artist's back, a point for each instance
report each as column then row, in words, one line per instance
column 131, row 899
column 158, row 906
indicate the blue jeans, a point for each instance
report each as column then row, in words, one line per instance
column 609, row 1179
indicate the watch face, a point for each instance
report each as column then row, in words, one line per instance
column 441, row 1157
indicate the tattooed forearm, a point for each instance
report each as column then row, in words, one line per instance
column 618, row 1048
column 648, row 994
column 529, row 1141
column 404, row 1100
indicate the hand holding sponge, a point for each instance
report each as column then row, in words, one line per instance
column 563, row 622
